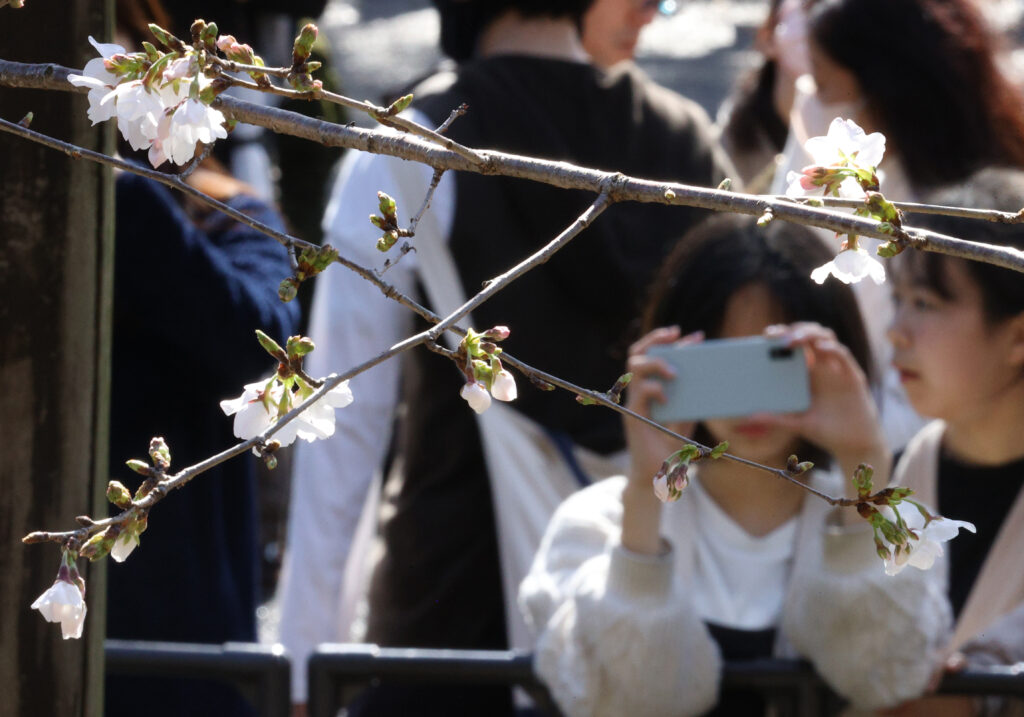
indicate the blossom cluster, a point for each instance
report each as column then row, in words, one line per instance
column 161, row 101
column 264, row 402
column 672, row 478
column 485, row 376
column 905, row 532
column 845, row 164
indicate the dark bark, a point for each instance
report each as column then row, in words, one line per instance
column 56, row 238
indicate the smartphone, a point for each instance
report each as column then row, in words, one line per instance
column 726, row 378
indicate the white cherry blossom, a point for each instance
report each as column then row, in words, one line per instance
column 476, row 396
column 99, row 80
column 850, row 266
column 922, row 552
column 63, row 602
column 503, row 387
column 846, row 142
column 251, row 412
column 191, row 122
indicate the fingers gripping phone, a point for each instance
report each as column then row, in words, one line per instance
column 725, row 378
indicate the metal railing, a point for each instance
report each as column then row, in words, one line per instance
column 260, row 673
column 338, row 672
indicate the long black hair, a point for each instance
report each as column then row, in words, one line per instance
column 726, row 253
column 928, row 72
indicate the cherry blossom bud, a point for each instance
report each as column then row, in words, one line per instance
column 159, row 452
column 725, row 185
column 497, row 333
column 118, row 494
column 503, row 387
column 862, row 479
column 208, row 36
column 615, row 393
column 123, row 545
column 475, row 394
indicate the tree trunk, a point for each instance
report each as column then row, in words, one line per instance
column 56, row 262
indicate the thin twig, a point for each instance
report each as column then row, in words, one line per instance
column 456, row 113
column 434, row 181
column 493, row 286
column 381, row 114
column 194, row 163
column 173, row 181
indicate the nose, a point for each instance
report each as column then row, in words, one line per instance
column 898, row 331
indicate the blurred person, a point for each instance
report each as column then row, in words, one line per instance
column 190, row 287
column 925, row 74
column 754, row 120
column 958, row 338
column 439, row 578
column 636, row 604
column 611, row 29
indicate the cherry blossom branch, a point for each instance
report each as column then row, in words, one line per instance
column 434, row 181
column 559, row 174
column 990, row 215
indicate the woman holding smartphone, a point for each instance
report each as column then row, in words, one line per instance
column 636, row 604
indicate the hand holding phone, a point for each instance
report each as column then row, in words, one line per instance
column 725, row 378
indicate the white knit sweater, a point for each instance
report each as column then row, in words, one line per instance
column 617, row 633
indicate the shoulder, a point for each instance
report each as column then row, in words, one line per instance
column 679, row 111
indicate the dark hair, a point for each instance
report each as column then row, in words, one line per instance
column 726, row 253
column 928, row 72
column 753, row 110
column 1002, row 290
column 462, row 21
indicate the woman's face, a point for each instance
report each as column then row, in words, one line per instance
column 836, row 85
column 954, row 364
column 748, row 313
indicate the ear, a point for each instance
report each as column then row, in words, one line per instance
column 1015, row 329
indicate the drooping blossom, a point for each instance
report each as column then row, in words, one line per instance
column 503, row 387
column 476, row 396
column 922, row 550
column 671, row 480
column 63, row 602
column 850, row 266
column 192, row 122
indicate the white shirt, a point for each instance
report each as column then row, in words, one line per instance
column 351, row 321
column 740, row 579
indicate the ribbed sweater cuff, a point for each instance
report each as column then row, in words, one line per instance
column 640, row 575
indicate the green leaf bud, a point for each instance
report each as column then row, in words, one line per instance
column 719, row 450
column 890, row 249
column 288, row 289
column 586, row 400
column 159, row 452
column 300, row 346
column 400, row 104
column 118, row 494
column 725, row 185
column 140, row 467
column 99, row 545
column 302, row 48
column 387, row 241
column 387, row 205
column 270, row 346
